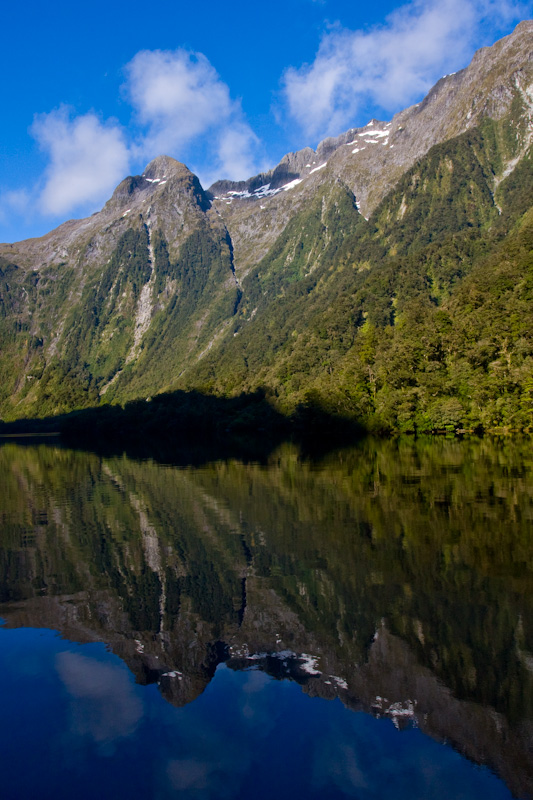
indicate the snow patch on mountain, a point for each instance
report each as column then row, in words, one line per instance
column 292, row 184
column 374, row 133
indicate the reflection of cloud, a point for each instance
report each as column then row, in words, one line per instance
column 215, row 757
column 219, row 775
column 104, row 705
column 255, row 682
column 189, row 774
column 339, row 765
column 255, row 710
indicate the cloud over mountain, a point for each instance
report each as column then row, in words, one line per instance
column 175, row 102
column 180, row 106
column 179, row 97
column 391, row 65
column 87, row 158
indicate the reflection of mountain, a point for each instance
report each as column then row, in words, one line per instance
column 396, row 576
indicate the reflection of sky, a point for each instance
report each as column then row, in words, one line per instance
column 104, row 706
column 76, row 725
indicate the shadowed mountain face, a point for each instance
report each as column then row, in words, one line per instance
column 396, row 576
column 386, row 275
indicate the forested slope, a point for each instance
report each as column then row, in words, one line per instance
column 419, row 318
column 415, row 318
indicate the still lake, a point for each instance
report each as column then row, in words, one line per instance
column 354, row 625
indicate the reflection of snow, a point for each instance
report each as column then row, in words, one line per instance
column 190, row 774
column 309, row 664
column 341, row 683
column 174, row 674
column 395, row 711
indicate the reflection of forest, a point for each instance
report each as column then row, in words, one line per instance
column 404, row 568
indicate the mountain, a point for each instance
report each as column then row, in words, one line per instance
column 384, row 277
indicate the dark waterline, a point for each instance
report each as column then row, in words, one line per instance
column 348, row 627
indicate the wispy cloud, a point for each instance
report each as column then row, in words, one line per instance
column 391, row 65
column 237, row 153
column 87, row 158
column 104, row 705
column 15, row 203
column 181, row 107
column 177, row 95
column 180, row 100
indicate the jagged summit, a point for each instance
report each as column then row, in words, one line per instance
column 137, row 190
column 370, row 160
column 162, row 167
column 371, row 165
column 268, row 282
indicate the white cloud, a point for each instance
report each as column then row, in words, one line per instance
column 13, row 203
column 185, row 107
column 178, row 95
column 181, row 108
column 236, row 151
column 87, row 157
column 392, row 65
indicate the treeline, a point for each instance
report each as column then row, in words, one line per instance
column 206, row 426
column 416, row 320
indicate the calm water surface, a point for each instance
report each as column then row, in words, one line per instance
column 355, row 626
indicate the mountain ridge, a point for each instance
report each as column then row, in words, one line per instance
column 412, row 131
column 236, row 289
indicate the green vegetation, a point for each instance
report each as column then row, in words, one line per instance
column 416, row 320
column 419, row 320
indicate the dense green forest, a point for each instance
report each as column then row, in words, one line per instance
column 415, row 320
column 418, row 319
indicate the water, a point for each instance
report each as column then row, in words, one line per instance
column 355, row 626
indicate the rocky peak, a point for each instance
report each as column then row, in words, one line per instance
column 164, row 167
column 371, row 159
column 137, row 190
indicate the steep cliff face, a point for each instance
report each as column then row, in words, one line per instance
column 273, row 280
column 78, row 303
column 370, row 160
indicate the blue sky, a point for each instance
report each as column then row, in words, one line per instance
column 93, row 91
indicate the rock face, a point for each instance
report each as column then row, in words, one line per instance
column 87, row 293
column 129, row 301
column 371, row 160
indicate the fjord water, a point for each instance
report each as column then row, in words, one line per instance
column 355, row 625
